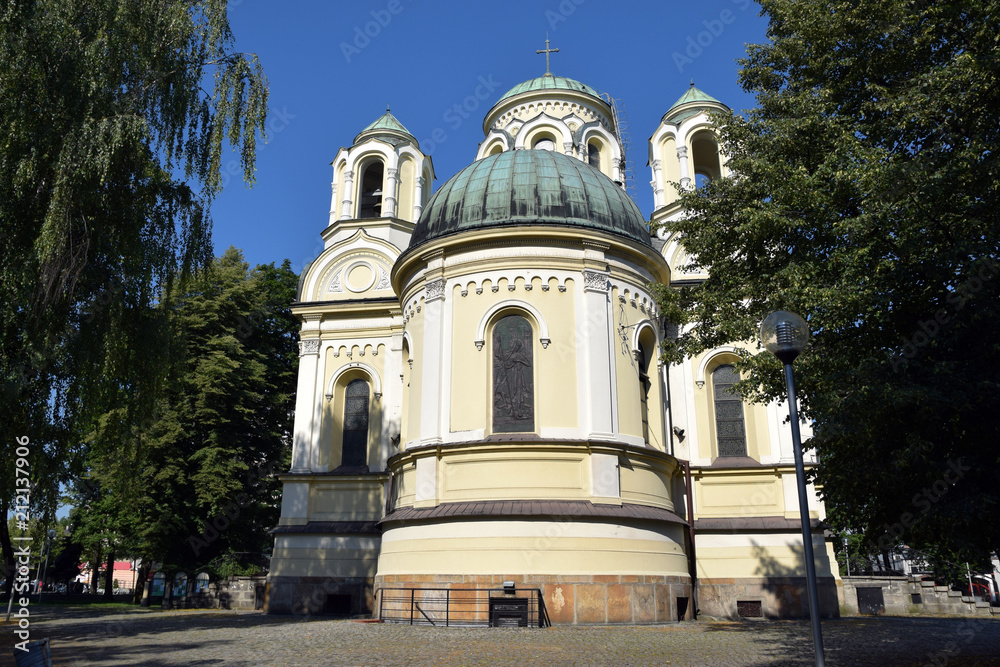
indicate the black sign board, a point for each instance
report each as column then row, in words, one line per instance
column 508, row 612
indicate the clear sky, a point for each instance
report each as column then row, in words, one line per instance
column 333, row 66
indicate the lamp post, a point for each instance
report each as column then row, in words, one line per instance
column 847, row 556
column 785, row 335
column 48, row 548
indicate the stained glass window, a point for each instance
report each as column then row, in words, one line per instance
column 730, row 430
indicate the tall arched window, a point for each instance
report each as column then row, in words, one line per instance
column 513, row 376
column 730, row 430
column 594, row 155
column 355, row 451
column 642, row 358
column 371, row 190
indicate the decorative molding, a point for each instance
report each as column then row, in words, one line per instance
column 595, row 281
column 682, row 152
column 434, row 290
column 686, row 183
column 335, row 285
column 543, row 328
column 357, row 365
column 383, row 281
column 309, row 346
column 700, row 375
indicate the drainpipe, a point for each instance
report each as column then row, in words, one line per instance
column 692, row 562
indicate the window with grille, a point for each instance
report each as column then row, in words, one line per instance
column 356, row 424
column 730, row 430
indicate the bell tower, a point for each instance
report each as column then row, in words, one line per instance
column 684, row 151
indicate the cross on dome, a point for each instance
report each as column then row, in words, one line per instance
column 547, row 51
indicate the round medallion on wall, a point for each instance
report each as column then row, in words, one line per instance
column 360, row 276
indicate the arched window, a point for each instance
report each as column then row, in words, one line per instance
column 513, row 376
column 371, row 190
column 544, row 144
column 355, row 452
column 594, row 155
column 730, row 430
column 642, row 358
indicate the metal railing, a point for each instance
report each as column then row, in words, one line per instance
column 491, row 607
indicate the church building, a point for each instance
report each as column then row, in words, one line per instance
column 480, row 399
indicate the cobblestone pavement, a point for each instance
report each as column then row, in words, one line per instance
column 252, row 639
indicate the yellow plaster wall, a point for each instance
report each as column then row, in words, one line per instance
column 513, row 473
column 754, row 560
column 738, row 494
column 645, row 483
column 541, row 547
column 407, row 186
column 348, row 499
column 554, row 367
column 670, row 168
column 415, row 329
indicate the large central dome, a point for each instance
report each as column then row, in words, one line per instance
column 529, row 187
column 550, row 82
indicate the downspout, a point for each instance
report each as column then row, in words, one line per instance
column 692, row 561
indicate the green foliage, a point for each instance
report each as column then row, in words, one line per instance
column 204, row 484
column 110, row 147
column 867, row 201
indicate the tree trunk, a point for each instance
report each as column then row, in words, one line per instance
column 109, row 576
column 8, row 553
column 95, row 574
column 140, row 580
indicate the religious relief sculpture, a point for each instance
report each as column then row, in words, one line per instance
column 309, row 346
column 595, row 281
column 435, row 289
column 513, row 376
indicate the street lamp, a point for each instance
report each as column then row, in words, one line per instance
column 48, row 548
column 785, row 335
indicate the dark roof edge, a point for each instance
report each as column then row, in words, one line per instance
column 562, row 510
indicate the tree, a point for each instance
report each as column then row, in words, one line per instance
column 110, row 156
column 866, row 199
column 204, row 486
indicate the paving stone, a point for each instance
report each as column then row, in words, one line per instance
column 252, row 639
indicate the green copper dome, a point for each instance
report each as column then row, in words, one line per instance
column 550, row 82
column 530, row 187
column 386, row 124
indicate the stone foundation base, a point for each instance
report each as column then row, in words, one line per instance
column 336, row 596
column 775, row 597
column 577, row 599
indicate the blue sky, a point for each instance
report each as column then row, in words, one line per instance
column 333, row 67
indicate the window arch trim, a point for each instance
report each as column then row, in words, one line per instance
column 512, row 304
column 365, row 368
column 709, row 358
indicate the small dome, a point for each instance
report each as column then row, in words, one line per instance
column 530, row 187
column 550, row 82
